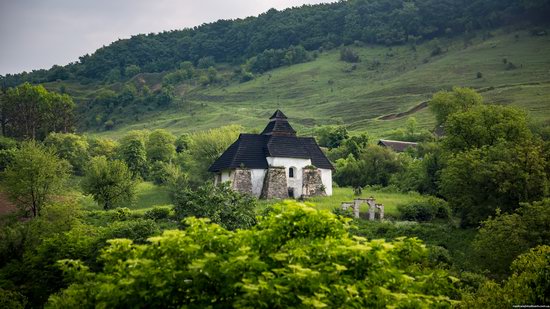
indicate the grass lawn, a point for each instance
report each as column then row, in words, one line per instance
column 390, row 200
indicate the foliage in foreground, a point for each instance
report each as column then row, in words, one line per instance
column 30, row 250
column 295, row 256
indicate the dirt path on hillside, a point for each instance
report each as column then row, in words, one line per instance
column 407, row 113
column 424, row 104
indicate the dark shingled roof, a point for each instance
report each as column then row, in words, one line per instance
column 278, row 125
column 397, row 146
column 251, row 150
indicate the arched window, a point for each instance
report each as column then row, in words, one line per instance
column 291, row 172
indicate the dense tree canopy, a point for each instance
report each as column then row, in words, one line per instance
column 31, row 112
column 485, row 125
column 71, row 147
column 373, row 166
column 478, row 181
column 132, row 150
column 502, row 238
column 310, row 26
column 445, row 103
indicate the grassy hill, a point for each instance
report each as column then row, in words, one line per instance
column 377, row 95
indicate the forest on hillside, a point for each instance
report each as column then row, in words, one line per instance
column 312, row 27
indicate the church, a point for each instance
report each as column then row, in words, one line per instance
column 275, row 163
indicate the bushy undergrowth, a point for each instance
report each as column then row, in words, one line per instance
column 426, row 209
column 294, row 257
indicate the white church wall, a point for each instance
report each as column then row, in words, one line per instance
column 257, row 177
column 226, row 176
column 326, row 179
column 298, row 164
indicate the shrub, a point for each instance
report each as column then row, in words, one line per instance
column 221, row 204
column 425, row 210
column 349, row 55
column 137, row 230
column 12, row 299
column 502, row 238
column 122, row 214
column 348, row 213
column 528, row 284
column 479, row 75
column 157, row 213
column 288, row 260
column 162, row 173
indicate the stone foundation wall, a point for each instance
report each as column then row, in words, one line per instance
column 275, row 185
column 312, row 184
column 241, row 181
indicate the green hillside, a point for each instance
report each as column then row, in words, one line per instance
column 386, row 82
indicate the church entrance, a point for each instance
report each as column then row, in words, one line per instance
column 291, row 192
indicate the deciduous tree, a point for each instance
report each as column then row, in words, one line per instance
column 109, row 182
column 33, row 176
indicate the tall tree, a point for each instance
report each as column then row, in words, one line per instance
column 109, row 182
column 161, row 146
column 31, row 112
column 33, row 176
column 485, row 125
column 132, row 151
column 71, row 147
column 446, row 103
column 478, row 181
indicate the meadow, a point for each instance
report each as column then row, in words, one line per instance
column 514, row 70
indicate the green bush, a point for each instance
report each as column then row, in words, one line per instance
column 162, row 173
column 424, row 210
column 221, row 204
column 502, row 238
column 349, row 55
column 529, row 284
column 295, row 257
column 137, row 230
column 122, row 214
column 12, row 299
column 157, row 213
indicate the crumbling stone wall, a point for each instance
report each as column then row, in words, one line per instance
column 241, row 181
column 312, row 185
column 275, row 185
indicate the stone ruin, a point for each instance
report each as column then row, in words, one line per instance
column 373, row 207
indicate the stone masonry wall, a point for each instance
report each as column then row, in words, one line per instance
column 241, row 181
column 312, row 185
column 275, row 185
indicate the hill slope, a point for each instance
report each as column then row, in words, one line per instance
column 387, row 82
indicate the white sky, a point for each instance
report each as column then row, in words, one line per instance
column 37, row 34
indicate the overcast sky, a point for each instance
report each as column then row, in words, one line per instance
column 36, row 34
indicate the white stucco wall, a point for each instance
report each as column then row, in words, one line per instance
column 257, row 177
column 326, row 179
column 298, row 164
column 226, row 176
